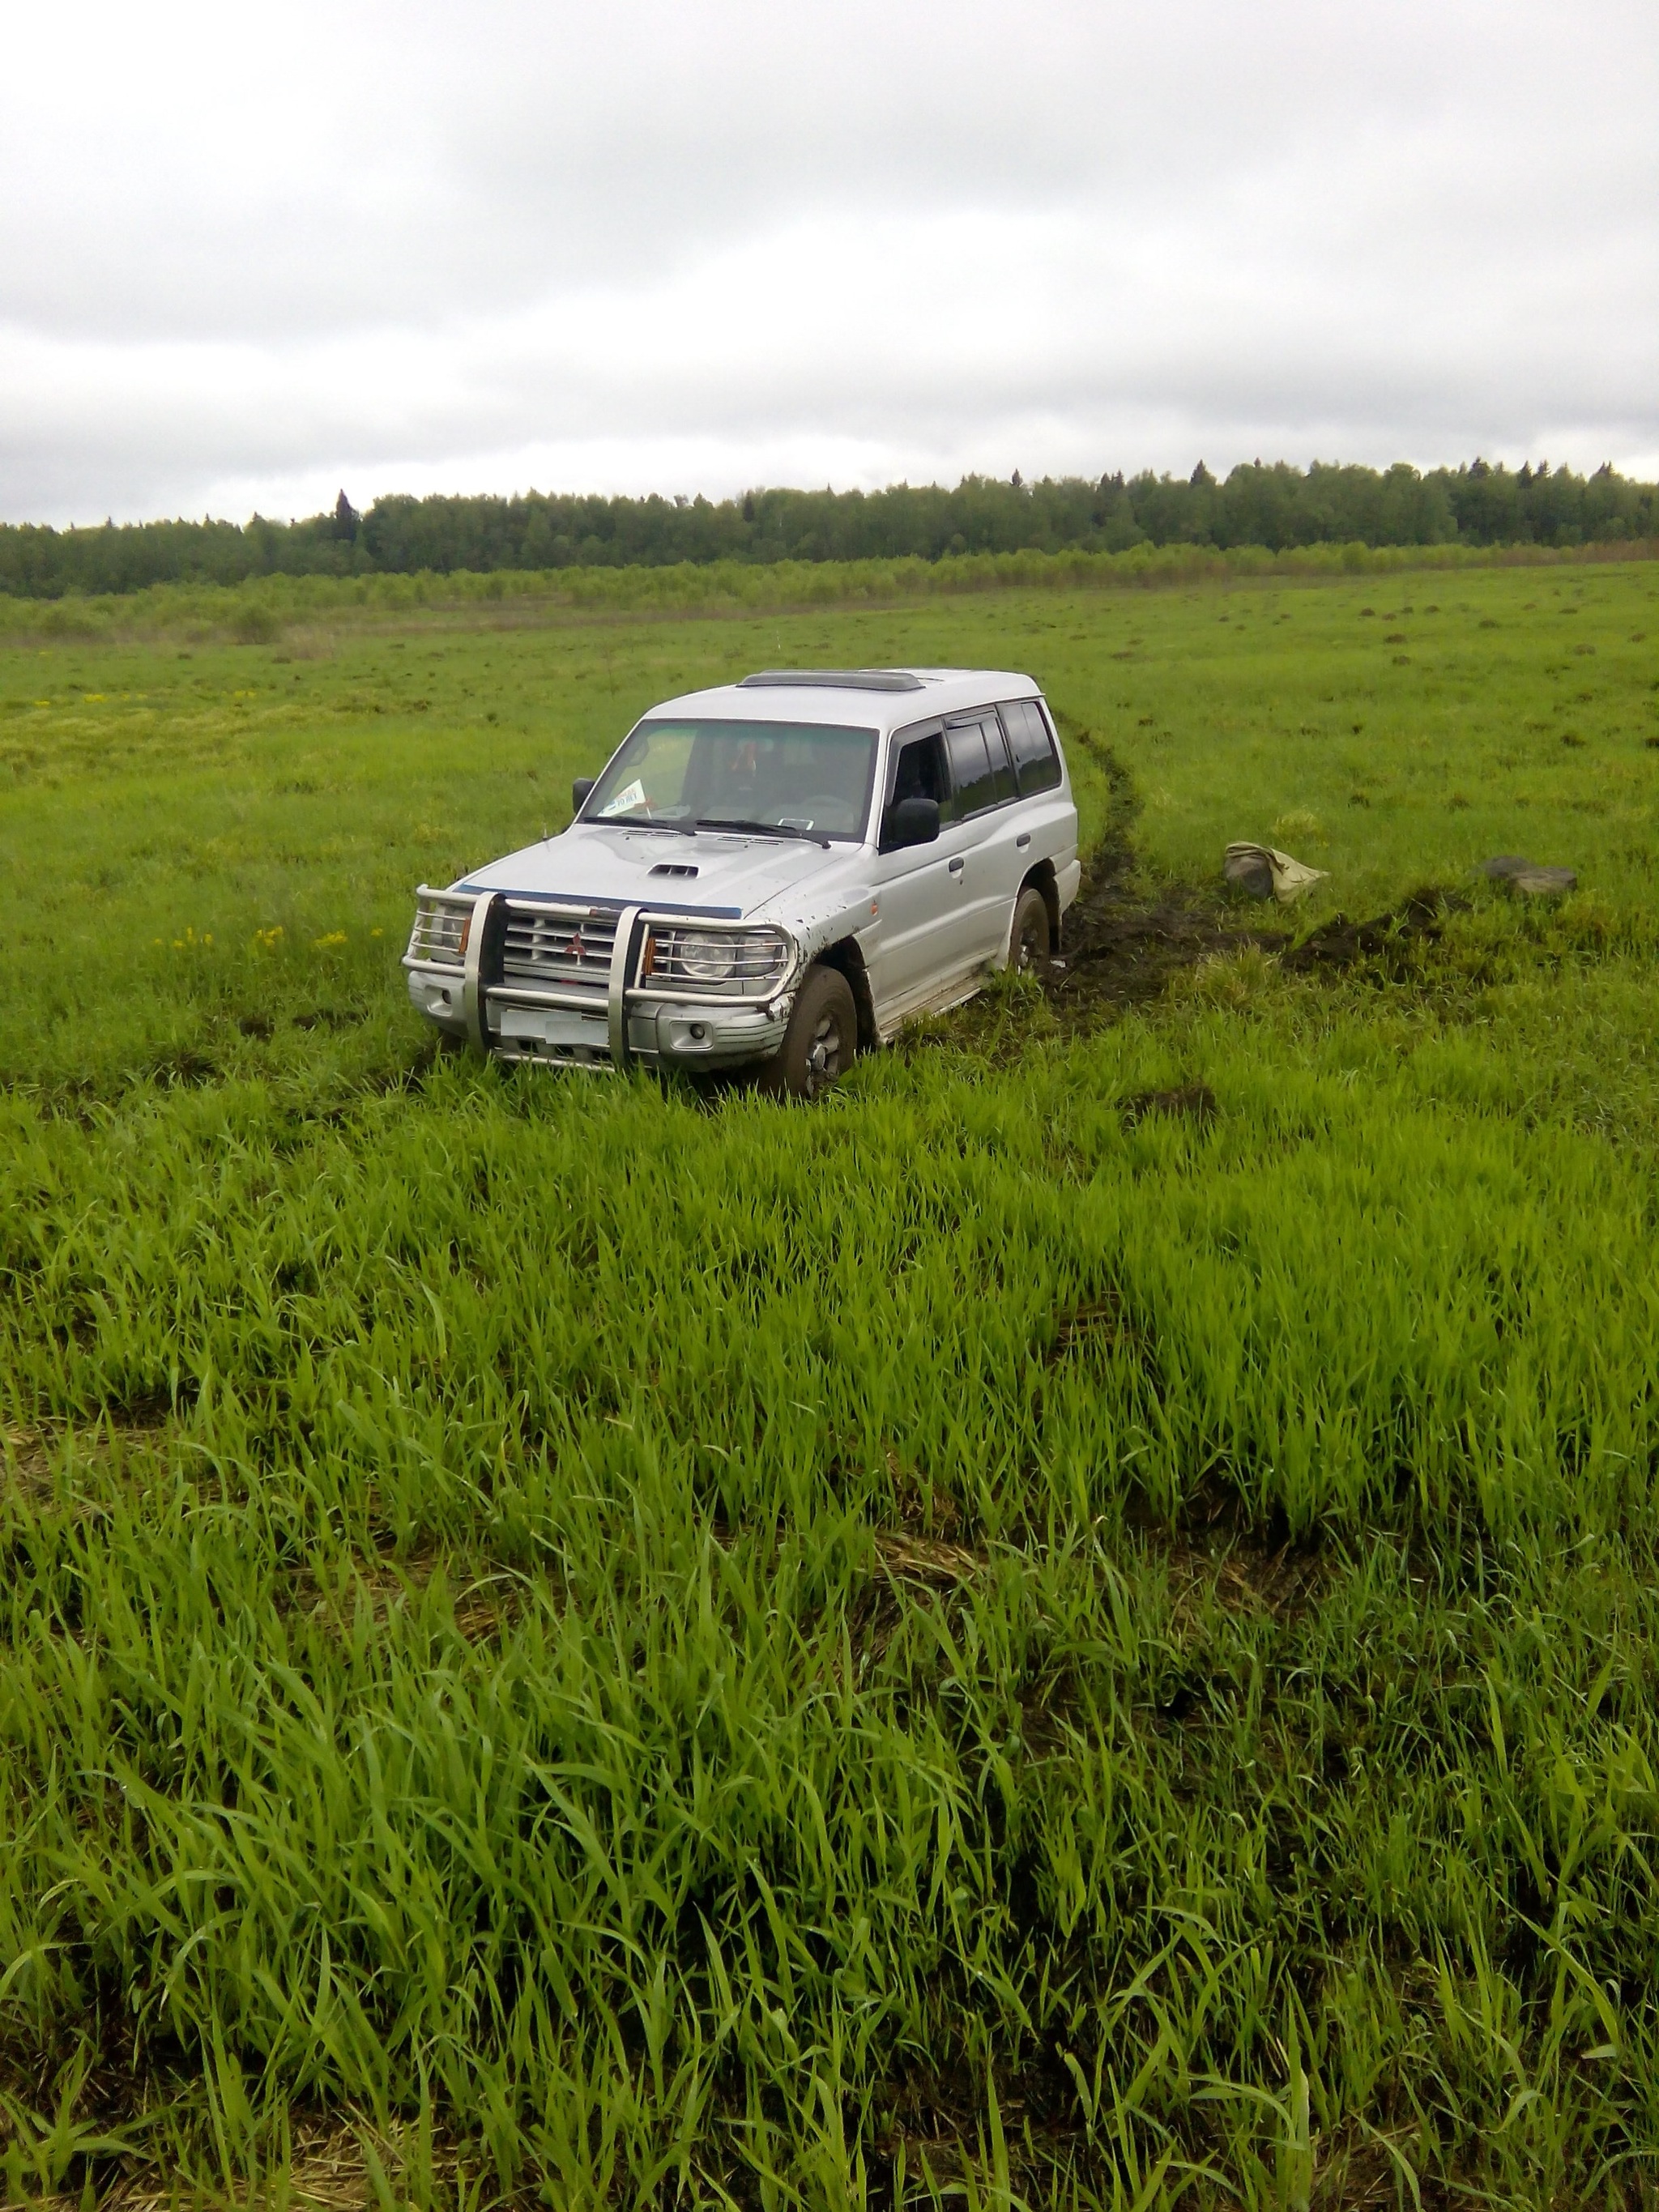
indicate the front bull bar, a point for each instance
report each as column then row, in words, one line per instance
column 486, row 935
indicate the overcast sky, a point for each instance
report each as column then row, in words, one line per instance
column 247, row 256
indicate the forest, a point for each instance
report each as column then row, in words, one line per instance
column 1275, row 505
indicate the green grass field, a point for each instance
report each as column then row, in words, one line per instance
column 1077, row 1623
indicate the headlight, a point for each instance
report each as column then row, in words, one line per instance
column 708, row 959
column 439, row 937
column 742, row 959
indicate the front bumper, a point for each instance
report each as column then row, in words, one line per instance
column 600, row 1023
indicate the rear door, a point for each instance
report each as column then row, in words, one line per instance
column 1046, row 816
column 1002, row 856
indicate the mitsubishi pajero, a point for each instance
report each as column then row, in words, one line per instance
column 781, row 871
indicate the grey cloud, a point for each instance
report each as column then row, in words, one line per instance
column 400, row 237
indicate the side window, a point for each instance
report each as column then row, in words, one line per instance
column 1032, row 747
column 971, row 773
column 919, row 772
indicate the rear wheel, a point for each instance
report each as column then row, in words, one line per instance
column 820, row 1041
column 1030, row 947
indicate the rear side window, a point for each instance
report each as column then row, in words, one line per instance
column 980, row 769
column 1032, row 747
column 1002, row 766
column 970, row 768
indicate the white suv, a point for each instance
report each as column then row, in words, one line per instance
column 780, row 870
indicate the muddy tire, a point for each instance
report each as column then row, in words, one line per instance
column 820, row 1041
column 1030, row 946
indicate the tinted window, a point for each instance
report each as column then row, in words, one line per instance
column 970, row 768
column 1002, row 768
column 919, row 772
column 1033, row 747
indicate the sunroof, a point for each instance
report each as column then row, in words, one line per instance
column 831, row 679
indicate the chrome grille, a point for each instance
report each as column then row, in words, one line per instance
column 557, row 949
column 435, row 939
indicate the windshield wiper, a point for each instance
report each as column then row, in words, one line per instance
column 638, row 821
column 766, row 829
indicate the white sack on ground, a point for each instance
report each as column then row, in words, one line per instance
column 1265, row 872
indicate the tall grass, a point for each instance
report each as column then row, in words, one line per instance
column 987, row 1638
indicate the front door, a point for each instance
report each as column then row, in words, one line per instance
column 928, row 943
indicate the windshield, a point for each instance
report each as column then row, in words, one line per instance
column 805, row 777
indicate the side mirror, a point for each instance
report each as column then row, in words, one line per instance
column 912, row 822
column 580, row 790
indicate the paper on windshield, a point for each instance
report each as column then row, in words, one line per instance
column 630, row 796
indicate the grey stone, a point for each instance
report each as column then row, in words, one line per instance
column 1544, row 882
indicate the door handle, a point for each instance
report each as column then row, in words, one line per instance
column 955, row 867
column 1023, row 840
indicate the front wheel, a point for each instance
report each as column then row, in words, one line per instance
column 1030, row 945
column 820, row 1039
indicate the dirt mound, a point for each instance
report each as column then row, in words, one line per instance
column 1120, row 951
column 1195, row 1100
column 1390, row 941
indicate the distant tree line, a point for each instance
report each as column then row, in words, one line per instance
column 1276, row 507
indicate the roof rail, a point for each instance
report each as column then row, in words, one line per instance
column 831, row 679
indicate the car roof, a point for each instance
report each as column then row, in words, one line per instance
column 867, row 698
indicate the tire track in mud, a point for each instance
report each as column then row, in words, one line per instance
column 1120, row 949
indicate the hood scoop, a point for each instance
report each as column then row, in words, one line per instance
column 672, row 868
